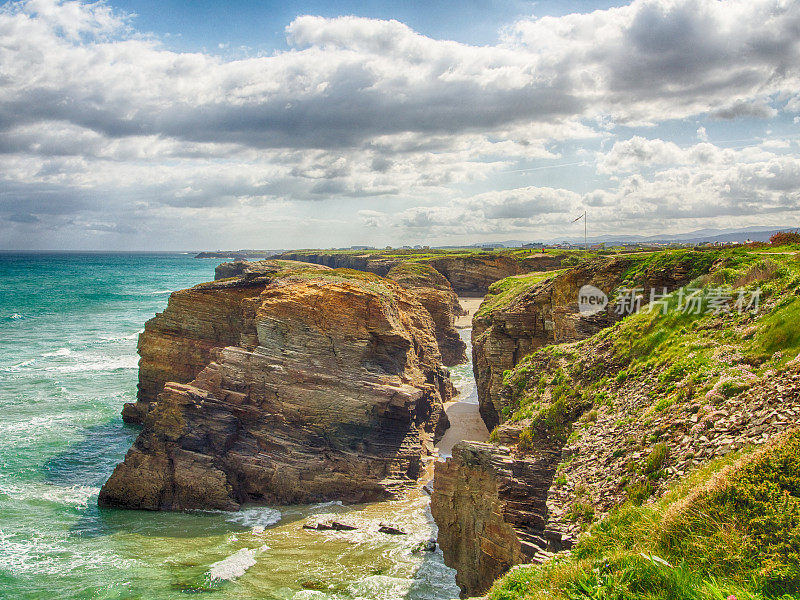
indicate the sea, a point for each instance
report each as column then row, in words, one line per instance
column 68, row 330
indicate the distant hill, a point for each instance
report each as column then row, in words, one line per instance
column 756, row 234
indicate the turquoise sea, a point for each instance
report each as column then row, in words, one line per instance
column 68, row 330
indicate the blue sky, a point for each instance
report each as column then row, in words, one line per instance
column 259, row 26
column 172, row 125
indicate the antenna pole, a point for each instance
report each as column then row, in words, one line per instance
column 585, row 239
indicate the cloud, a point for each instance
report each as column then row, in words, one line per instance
column 101, row 123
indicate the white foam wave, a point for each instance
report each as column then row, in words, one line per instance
column 235, row 565
column 328, row 504
column 309, row 595
column 59, row 352
column 75, row 496
column 18, row 366
column 99, row 364
column 380, row 587
column 257, row 518
column 157, row 292
column 43, row 556
column 119, row 338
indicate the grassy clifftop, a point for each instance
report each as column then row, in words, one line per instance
column 732, row 528
column 677, row 466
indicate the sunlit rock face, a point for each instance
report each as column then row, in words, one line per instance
column 319, row 385
column 436, row 294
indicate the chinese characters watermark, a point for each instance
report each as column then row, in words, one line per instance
column 696, row 301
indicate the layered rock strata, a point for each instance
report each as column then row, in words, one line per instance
column 434, row 292
column 491, row 510
column 548, row 313
column 319, row 385
column 176, row 344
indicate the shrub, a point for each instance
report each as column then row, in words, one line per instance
column 525, row 440
column 656, row 459
column 580, row 512
column 639, row 491
column 784, row 238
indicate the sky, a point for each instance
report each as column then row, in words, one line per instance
column 165, row 125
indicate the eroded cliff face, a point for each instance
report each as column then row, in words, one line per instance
column 491, row 510
column 472, row 275
column 547, row 313
column 500, row 504
column 361, row 262
column 434, row 292
column 177, row 343
column 321, row 385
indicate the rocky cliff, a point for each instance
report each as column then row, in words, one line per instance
column 491, row 511
column 434, row 292
column 472, row 275
column 177, row 343
column 468, row 273
column 527, row 312
column 318, row 385
column 625, row 413
column 372, row 263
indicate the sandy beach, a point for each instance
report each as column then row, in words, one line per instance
column 471, row 305
column 465, row 421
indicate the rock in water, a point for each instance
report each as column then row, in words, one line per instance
column 388, row 529
column 332, row 526
column 319, row 385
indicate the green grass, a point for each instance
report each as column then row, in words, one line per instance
column 502, row 293
column 731, row 528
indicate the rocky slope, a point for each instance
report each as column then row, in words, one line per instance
column 318, row 385
column 622, row 414
column 435, row 293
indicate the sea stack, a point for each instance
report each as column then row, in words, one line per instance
column 319, row 385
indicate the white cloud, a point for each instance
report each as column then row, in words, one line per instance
column 96, row 118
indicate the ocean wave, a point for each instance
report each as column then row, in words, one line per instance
column 158, row 292
column 59, row 352
column 310, row 595
column 327, row 504
column 257, row 518
column 99, row 364
column 235, row 565
column 119, row 338
column 74, row 496
column 380, row 587
column 18, row 366
column 41, row 556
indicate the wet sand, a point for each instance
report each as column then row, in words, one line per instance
column 465, row 421
column 471, row 305
column 465, row 424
